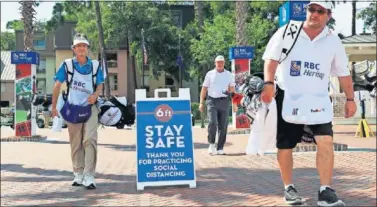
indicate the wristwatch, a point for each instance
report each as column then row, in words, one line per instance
column 268, row 83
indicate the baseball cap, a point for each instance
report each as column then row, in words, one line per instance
column 323, row 4
column 80, row 38
column 219, row 58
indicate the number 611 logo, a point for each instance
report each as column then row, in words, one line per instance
column 163, row 113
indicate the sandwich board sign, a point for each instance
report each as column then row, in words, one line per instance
column 164, row 146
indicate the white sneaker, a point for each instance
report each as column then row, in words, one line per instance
column 89, row 182
column 79, row 177
column 220, row 152
column 212, row 149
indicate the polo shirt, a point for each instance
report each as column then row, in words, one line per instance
column 310, row 62
column 83, row 69
column 217, row 82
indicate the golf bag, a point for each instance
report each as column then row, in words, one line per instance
column 116, row 112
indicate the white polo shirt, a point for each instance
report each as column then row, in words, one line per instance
column 310, row 63
column 217, row 82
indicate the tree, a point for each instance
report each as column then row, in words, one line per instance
column 8, row 41
column 241, row 18
column 368, row 14
column 27, row 16
column 102, row 45
column 15, row 25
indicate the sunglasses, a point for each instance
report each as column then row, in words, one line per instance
column 319, row 11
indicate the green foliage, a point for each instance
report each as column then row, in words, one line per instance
column 368, row 14
column 15, row 25
column 8, row 41
column 195, row 110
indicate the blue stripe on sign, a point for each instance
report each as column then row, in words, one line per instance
column 174, row 112
column 150, row 106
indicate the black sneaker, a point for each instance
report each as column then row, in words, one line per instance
column 291, row 197
column 328, row 198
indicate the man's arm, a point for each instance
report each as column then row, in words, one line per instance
column 203, row 94
column 347, row 85
column 55, row 93
column 98, row 89
column 270, row 67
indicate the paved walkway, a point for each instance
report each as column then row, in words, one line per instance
column 34, row 173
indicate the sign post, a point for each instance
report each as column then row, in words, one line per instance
column 292, row 10
column 165, row 149
column 25, row 87
column 241, row 58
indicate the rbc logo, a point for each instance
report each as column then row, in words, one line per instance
column 311, row 65
column 295, row 68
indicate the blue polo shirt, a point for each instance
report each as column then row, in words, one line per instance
column 84, row 69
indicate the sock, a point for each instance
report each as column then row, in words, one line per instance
column 323, row 187
column 286, row 186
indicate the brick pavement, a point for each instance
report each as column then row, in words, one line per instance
column 39, row 173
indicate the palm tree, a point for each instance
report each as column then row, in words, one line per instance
column 27, row 16
column 199, row 14
column 242, row 9
column 102, row 46
column 353, row 17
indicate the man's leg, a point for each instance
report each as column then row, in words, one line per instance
column 77, row 151
column 90, row 147
column 288, row 135
column 325, row 159
column 222, row 115
column 212, row 124
column 325, row 164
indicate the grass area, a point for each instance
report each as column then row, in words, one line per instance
column 21, row 116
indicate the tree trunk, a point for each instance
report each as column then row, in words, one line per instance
column 103, row 48
column 353, row 17
column 200, row 17
column 242, row 9
column 27, row 17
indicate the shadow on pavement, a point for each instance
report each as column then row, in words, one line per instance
column 222, row 186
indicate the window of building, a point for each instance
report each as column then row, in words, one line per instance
column 146, row 82
column 112, row 60
column 41, row 86
column 39, row 42
column 113, row 80
column 41, row 68
column 169, row 82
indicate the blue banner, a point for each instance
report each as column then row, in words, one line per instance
column 245, row 52
column 18, row 57
column 164, row 141
column 292, row 10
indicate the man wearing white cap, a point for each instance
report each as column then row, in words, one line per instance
column 303, row 96
column 215, row 83
column 84, row 79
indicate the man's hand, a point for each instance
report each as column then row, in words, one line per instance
column 201, row 107
column 350, row 109
column 92, row 98
column 268, row 93
column 54, row 112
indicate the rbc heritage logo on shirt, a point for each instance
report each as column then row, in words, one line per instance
column 295, row 68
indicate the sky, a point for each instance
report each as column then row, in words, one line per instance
column 342, row 14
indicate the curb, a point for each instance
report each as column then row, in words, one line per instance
column 36, row 138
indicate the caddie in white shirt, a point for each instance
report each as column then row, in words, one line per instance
column 303, row 97
column 216, row 82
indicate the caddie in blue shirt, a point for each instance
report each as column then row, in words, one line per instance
column 84, row 79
